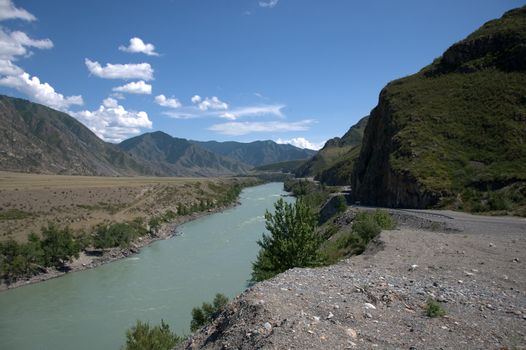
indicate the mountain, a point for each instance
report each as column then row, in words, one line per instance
column 38, row 139
column 164, row 154
column 335, row 151
column 257, row 153
column 453, row 134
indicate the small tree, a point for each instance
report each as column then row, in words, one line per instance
column 293, row 240
column 58, row 245
column 144, row 337
column 204, row 314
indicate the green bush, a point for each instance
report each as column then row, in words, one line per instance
column 433, row 308
column 142, row 336
column 205, row 314
column 58, row 245
column 292, row 242
column 118, row 234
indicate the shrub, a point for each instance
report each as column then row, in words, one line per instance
column 144, row 337
column 293, row 240
column 205, row 314
column 58, row 245
column 118, row 234
column 433, row 308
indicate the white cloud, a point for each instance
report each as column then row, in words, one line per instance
column 9, row 11
column 243, row 128
column 179, row 115
column 120, row 71
column 13, row 44
column 301, row 143
column 209, row 103
column 139, row 46
column 112, row 122
column 268, row 4
column 135, row 87
column 196, row 99
column 253, row 111
column 162, row 100
column 40, row 92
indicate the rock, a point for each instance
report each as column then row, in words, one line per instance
column 331, row 315
column 369, row 306
column 413, row 267
column 491, row 245
column 351, row 333
column 267, row 326
column 367, row 315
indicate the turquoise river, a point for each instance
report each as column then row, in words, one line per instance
column 92, row 309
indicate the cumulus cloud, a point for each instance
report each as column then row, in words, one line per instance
column 196, row 99
column 112, row 122
column 268, row 4
column 209, row 103
column 253, row 111
column 40, row 92
column 243, row 128
column 162, row 100
column 13, row 44
column 139, row 46
column 301, row 143
column 120, row 71
column 135, row 87
column 9, row 11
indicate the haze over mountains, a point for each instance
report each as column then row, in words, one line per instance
column 38, row 139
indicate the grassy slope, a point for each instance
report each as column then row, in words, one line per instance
column 336, row 151
column 459, row 125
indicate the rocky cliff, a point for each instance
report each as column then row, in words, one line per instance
column 454, row 133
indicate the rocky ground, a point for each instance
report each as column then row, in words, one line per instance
column 472, row 265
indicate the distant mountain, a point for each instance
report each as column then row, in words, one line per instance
column 164, row 154
column 38, row 139
column 340, row 152
column 257, row 153
column 453, row 134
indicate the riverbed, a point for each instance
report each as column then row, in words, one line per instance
column 92, row 309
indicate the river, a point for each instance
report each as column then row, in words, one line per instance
column 92, row 309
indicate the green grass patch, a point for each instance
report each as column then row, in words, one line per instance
column 434, row 309
column 14, row 214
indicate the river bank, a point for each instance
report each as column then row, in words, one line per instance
column 472, row 266
column 89, row 260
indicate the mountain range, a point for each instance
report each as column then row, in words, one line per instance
column 37, row 139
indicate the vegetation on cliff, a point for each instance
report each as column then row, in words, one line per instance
column 453, row 134
column 335, row 154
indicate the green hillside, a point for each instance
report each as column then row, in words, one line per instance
column 453, row 134
column 335, row 151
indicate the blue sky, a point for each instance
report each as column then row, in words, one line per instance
column 299, row 71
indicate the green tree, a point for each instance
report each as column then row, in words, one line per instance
column 204, row 314
column 144, row 337
column 58, row 245
column 293, row 240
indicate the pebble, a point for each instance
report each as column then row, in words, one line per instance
column 267, row 326
column 331, row 315
column 351, row 333
column 369, row 306
column 491, row 245
column 367, row 315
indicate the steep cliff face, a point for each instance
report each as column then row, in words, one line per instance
column 458, row 124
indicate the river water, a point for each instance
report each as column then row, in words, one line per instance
column 92, row 309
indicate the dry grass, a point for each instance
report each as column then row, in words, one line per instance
column 85, row 201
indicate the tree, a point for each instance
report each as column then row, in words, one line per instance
column 144, row 337
column 293, row 240
column 205, row 314
column 58, row 245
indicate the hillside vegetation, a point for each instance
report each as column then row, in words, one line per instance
column 336, row 153
column 453, row 134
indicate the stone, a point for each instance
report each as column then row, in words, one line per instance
column 267, row 326
column 369, row 306
column 351, row 333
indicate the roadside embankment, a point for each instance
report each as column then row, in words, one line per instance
column 471, row 265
